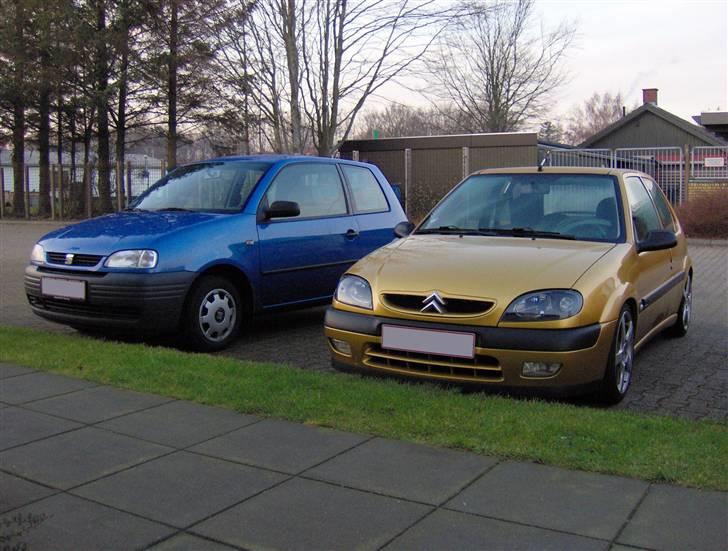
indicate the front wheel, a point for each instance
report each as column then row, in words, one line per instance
column 684, row 313
column 618, row 374
column 212, row 314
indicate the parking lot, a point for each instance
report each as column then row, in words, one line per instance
column 685, row 377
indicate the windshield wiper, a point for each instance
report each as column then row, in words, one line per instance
column 173, row 209
column 528, row 232
column 454, row 230
column 135, row 209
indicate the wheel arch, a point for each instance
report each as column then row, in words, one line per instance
column 235, row 276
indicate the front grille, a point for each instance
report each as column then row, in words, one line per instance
column 453, row 306
column 85, row 309
column 87, row 260
column 480, row 369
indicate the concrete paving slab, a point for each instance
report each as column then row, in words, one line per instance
column 10, row 370
column 179, row 424
column 97, row 404
column 581, row 503
column 403, row 469
column 181, row 488
column 35, row 386
column 20, row 426
column 188, row 542
column 280, row 445
column 679, row 518
column 76, row 457
column 16, row 492
column 71, row 523
column 305, row 514
column 451, row 530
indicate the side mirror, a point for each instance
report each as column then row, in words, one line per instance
column 282, row 209
column 403, row 229
column 657, row 240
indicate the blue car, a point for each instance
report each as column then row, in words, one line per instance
column 213, row 243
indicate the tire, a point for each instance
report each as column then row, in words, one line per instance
column 212, row 314
column 618, row 373
column 684, row 312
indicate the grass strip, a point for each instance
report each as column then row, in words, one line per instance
column 654, row 448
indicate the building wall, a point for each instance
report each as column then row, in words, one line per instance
column 648, row 130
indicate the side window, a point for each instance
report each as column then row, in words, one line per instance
column 643, row 210
column 663, row 210
column 315, row 187
column 365, row 190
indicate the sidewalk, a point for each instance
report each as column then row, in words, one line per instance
column 86, row 466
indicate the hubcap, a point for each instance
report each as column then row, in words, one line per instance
column 624, row 351
column 687, row 302
column 217, row 315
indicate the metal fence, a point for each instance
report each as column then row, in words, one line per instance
column 709, row 163
column 74, row 189
column 665, row 164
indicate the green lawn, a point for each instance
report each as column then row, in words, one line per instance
column 693, row 453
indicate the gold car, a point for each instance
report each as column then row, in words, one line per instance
column 546, row 278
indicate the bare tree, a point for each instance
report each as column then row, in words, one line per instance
column 496, row 68
column 551, row 132
column 316, row 62
column 403, row 120
column 595, row 114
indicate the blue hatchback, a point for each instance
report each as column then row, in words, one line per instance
column 212, row 243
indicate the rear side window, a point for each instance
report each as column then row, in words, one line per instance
column 365, row 190
column 663, row 210
column 643, row 210
column 317, row 189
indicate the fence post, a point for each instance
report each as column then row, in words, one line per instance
column 407, row 178
column 53, row 191
column 355, row 155
column 119, row 185
column 128, row 182
column 61, row 202
column 163, row 166
column 466, row 161
column 2, row 192
column 87, row 190
column 684, row 191
column 26, row 191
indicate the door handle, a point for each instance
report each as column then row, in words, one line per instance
column 351, row 234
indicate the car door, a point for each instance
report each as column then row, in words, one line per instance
column 652, row 268
column 678, row 254
column 369, row 203
column 302, row 257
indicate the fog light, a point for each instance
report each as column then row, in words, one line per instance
column 540, row 369
column 342, row 347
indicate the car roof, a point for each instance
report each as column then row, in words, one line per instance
column 557, row 170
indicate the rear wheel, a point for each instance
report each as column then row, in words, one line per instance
column 618, row 374
column 685, row 312
column 212, row 315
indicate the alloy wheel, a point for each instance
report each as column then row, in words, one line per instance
column 624, row 351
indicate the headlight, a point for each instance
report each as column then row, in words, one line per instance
column 355, row 291
column 37, row 255
column 544, row 306
column 132, row 259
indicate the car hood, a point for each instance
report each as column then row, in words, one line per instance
column 496, row 268
column 122, row 230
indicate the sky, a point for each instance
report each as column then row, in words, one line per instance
column 677, row 46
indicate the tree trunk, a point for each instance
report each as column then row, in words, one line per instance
column 123, row 86
column 44, row 149
column 19, row 113
column 288, row 13
column 172, row 89
column 102, row 107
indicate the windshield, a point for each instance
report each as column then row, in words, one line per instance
column 217, row 187
column 566, row 206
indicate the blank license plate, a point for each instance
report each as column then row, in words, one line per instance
column 428, row 341
column 63, row 288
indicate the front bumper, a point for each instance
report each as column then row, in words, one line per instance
column 499, row 353
column 142, row 302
